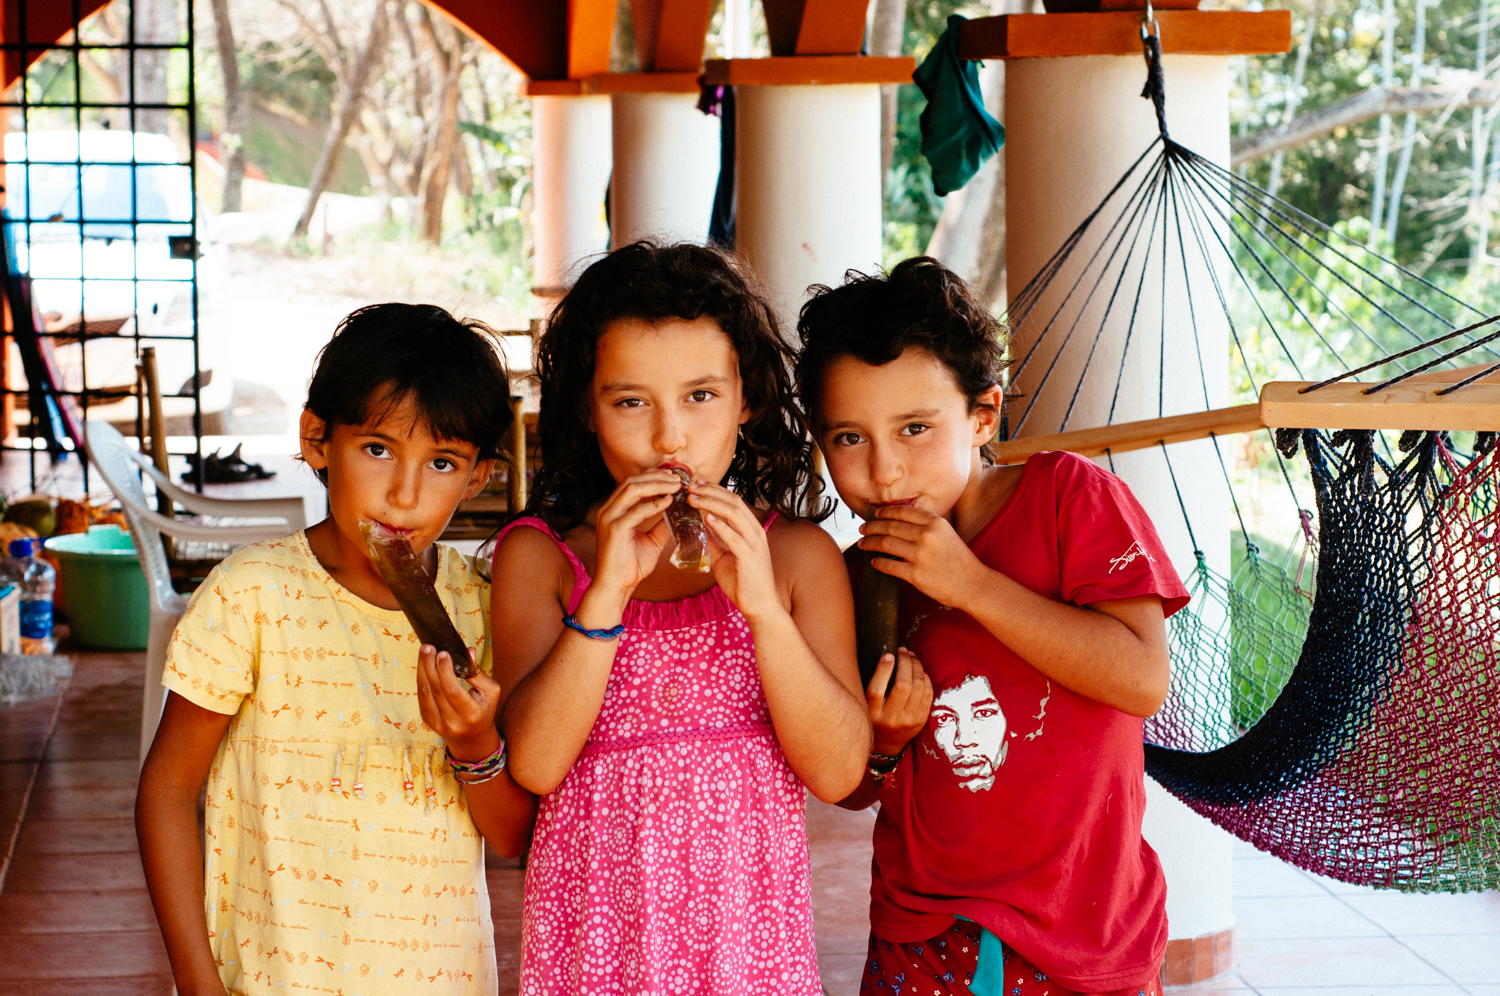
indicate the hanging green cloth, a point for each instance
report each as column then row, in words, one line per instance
column 958, row 134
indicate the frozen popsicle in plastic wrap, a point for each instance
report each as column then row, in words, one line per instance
column 687, row 527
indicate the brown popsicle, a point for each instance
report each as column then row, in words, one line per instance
column 875, row 619
column 409, row 582
column 687, row 527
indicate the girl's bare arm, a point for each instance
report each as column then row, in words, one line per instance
column 809, row 670
column 801, row 616
column 1114, row 652
column 544, row 729
column 166, row 825
column 553, row 679
column 464, row 717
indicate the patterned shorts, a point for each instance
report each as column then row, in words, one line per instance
column 944, row 966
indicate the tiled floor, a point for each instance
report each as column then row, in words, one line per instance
column 1302, row 935
column 75, row 917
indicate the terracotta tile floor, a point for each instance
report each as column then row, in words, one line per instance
column 73, row 884
column 76, row 918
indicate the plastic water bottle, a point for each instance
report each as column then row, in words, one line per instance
column 37, row 580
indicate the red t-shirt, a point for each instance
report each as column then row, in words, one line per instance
column 1019, row 805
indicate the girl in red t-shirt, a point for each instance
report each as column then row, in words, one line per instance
column 1009, row 768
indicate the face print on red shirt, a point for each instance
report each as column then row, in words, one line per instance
column 970, row 728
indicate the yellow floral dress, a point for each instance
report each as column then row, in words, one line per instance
column 340, row 855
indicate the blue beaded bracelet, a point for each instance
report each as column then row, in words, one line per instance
column 593, row 634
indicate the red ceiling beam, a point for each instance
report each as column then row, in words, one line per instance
column 545, row 39
column 46, row 24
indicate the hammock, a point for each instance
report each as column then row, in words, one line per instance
column 1345, row 718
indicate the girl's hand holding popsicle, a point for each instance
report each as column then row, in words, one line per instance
column 739, row 551
column 463, row 715
column 632, row 531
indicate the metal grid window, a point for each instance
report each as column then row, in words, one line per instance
column 101, row 218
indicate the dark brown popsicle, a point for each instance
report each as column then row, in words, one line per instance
column 875, row 618
column 414, row 591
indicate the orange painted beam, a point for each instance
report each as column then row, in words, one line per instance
column 815, row 27
column 679, row 35
column 530, row 34
column 669, row 33
column 46, row 24
column 1183, row 32
column 552, row 88
column 642, row 83
column 804, row 69
column 591, row 29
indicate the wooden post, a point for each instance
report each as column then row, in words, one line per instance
column 515, row 481
column 158, row 424
column 140, row 406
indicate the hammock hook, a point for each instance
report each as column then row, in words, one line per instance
column 1155, row 89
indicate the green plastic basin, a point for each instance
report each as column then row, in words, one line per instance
column 109, row 607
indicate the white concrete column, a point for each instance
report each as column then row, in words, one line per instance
column 570, row 171
column 666, row 168
column 1073, row 127
column 807, row 199
column 807, row 186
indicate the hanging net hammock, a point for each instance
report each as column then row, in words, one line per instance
column 1340, row 706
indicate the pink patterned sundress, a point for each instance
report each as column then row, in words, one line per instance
column 673, row 857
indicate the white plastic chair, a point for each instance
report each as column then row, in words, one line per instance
column 227, row 523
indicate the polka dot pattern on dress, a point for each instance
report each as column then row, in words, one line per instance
column 673, row 858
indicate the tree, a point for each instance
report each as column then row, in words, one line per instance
column 352, row 82
column 887, row 34
column 1361, row 107
column 444, row 136
column 232, row 134
column 156, row 22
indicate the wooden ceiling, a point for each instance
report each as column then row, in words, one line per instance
column 547, row 39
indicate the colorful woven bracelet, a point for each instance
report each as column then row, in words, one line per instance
column 592, row 634
column 478, row 772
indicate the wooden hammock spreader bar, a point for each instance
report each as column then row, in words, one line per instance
column 1135, row 435
column 1413, row 404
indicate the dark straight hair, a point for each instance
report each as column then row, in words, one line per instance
column 451, row 369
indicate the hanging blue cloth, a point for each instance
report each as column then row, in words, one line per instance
column 958, row 134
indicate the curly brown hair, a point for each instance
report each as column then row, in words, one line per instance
column 651, row 282
column 874, row 318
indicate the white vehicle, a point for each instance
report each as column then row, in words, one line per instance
column 115, row 260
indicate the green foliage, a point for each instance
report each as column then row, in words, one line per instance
column 912, row 207
column 1269, row 608
column 296, row 80
column 1332, row 178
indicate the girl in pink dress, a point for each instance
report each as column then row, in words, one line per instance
column 671, row 718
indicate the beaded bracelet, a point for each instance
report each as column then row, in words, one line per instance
column 478, row 772
column 881, row 767
column 592, row 634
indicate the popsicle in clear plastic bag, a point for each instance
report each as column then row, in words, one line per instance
column 686, row 524
column 403, row 573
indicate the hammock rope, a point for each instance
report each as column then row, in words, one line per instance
column 1349, row 727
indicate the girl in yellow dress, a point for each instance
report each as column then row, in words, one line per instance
column 352, row 777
